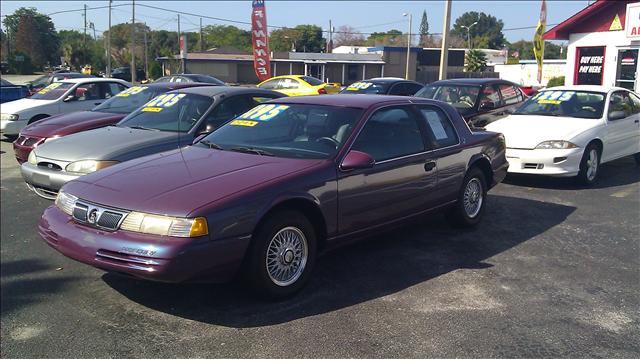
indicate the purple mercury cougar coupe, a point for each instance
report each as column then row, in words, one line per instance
column 268, row 191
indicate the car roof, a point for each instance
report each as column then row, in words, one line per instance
column 590, row 88
column 93, row 79
column 472, row 81
column 388, row 80
column 216, row 90
column 359, row 101
column 174, row 85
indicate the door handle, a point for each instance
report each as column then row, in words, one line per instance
column 97, row 103
column 429, row 166
column 636, row 121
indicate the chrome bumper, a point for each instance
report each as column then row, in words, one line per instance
column 45, row 182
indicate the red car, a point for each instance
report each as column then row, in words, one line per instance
column 108, row 113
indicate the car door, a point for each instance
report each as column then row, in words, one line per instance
column 398, row 184
column 488, row 106
column 443, row 139
column 621, row 135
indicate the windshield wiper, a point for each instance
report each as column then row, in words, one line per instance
column 254, row 150
column 143, row 128
column 211, row 145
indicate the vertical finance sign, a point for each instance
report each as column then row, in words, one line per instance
column 259, row 35
column 538, row 41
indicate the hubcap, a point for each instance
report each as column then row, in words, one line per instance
column 472, row 200
column 286, row 256
column 592, row 164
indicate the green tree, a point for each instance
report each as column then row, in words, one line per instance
column 424, row 24
column 525, row 50
column 227, row 35
column 305, row 38
column 487, row 33
column 121, row 43
column 390, row 38
column 346, row 35
column 34, row 34
column 475, row 61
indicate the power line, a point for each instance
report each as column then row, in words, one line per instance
column 88, row 8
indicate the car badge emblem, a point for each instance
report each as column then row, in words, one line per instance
column 93, row 216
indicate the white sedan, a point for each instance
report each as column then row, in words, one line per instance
column 61, row 97
column 569, row 131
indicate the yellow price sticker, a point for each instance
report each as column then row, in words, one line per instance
column 53, row 86
column 152, row 109
column 132, row 91
column 549, row 102
column 245, row 123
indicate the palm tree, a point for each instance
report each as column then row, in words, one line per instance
column 475, row 61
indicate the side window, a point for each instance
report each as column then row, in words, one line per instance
column 490, row 98
column 440, row 130
column 87, row 92
column 227, row 110
column 111, row 89
column 636, row 103
column 620, row 101
column 519, row 92
column 413, row 88
column 398, row 89
column 509, row 94
column 390, row 133
column 271, row 84
column 289, row 84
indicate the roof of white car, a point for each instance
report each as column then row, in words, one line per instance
column 82, row 80
column 590, row 88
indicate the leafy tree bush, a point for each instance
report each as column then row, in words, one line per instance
column 556, row 81
column 475, row 61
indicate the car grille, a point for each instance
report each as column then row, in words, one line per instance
column 533, row 166
column 97, row 216
column 49, row 165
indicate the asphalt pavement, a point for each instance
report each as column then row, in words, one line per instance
column 552, row 271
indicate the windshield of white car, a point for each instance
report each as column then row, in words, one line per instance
column 53, row 91
column 127, row 101
column 564, row 103
column 41, row 81
column 458, row 96
column 287, row 130
column 174, row 112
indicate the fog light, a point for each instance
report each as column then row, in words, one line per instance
column 559, row 159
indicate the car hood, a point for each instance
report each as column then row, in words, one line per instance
column 62, row 125
column 178, row 182
column 527, row 131
column 108, row 143
column 17, row 106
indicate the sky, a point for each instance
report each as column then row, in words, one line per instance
column 364, row 16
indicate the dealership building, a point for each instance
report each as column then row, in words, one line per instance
column 604, row 40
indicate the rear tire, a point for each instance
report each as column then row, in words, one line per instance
column 282, row 255
column 589, row 165
column 472, row 198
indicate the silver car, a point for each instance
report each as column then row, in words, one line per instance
column 168, row 121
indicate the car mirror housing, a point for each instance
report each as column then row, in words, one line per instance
column 357, row 160
column 69, row 98
column 617, row 115
column 198, row 138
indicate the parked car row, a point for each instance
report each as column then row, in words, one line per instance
column 179, row 181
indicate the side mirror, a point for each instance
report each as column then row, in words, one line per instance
column 617, row 115
column 69, row 98
column 198, row 138
column 357, row 160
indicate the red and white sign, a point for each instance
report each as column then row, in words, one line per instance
column 183, row 46
column 260, row 37
column 632, row 21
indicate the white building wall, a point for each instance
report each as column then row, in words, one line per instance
column 613, row 40
column 526, row 74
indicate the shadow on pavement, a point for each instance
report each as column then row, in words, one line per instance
column 612, row 174
column 367, row 270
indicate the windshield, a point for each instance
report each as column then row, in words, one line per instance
column 580, row 104
column 458, row 96
column 293, row 131
column 176, row 112
column 365, row 87
column 127, row 101
column 53, row 91
column 41, row 81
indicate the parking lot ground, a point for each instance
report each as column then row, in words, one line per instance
column 552, row 271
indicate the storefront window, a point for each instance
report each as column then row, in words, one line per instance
column 627, row 65
column 589, row 65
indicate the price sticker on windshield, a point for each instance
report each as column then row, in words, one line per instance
column 553, row 97
column 359, row 86
column 132, row 91
column 53, row 86
column 244, row 123
column 161, row 102
column 263, row 112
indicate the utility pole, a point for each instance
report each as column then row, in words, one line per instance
column 179, row 35
column 201, row 43
column 109, row 44
column 146, row 60
column 330, row 44
column 84, row 38
column 444, row 51
column 133, row 42
column 406, row 71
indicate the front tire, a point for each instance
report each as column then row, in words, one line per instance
column 589, row 165
column 282, row 255
column 472, row 198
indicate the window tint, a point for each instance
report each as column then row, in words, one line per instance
column 440, row 131
column 111, row 89
column 289, row 84
column 227, row 110
column 390, row 133
column 620, row 101
column 53, row 91
column 88, row 92
column 271, row 84
column 509, row 94
column 312, row 80
column 412, row 88
column 636, row 103
column 489, row 98
column 399, row 89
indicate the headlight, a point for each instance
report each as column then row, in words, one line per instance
column 32, row 158
column 88, row 166
column 164, row 225
column 66, row 202
column 9, row 117
column 555, row 145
